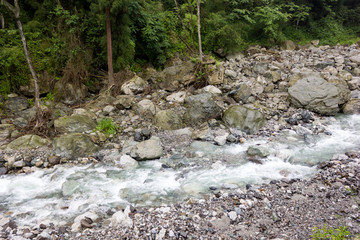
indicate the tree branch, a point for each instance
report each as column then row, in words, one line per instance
column 9, row 6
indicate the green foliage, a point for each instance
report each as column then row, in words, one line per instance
column 330, row 233
column 107, row 126
column 49, row 97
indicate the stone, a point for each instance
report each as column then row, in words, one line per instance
column 256, row 150
column 19, row 164
column 211, row 89
column 3, row 171
column 5, row 131
column 221, row 140
column 54, row 160
column 201, row 108
column 171, row 77
column 217, row 76
column 85, row 112
column 245, row 119
column 168, row 120
column 288, row 45
column 121, row 219
column 355, row 59
column 260, row 67
column 76, row 226
column 232, row 215
column 243, row 93
column 127, row 162
column 178, row 97
column 230, row 73
column 124, row 102
column 315, row 94
column 74, row 145
column 16, row 104
column 147, row 150
column 20, row 122
column 146, row 108
column 28, row 142
column 354, row 83
column 74, row 124
column 134, row 86
column 352, row 107
column 69, row 93
column 109, row 109
column 221, row 224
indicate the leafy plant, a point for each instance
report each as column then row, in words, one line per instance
column 107, row 126
column 330, row 233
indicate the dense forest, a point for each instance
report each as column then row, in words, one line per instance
column 68, row 39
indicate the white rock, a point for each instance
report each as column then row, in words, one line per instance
column 161, row 234
column 355, row 59
column 212, row 89
column 220, row 140
column 121, row 218
column 76, row 227
column 177, row 97
column 146, row 108
column 108, row 109
column 127, row 162
column 232, row 215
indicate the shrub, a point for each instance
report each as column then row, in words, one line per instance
column 107, row 126
column 330, row 233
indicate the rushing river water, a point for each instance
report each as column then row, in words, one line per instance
column 65, row 191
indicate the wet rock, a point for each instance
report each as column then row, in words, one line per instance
column 3, row 171
column 147, row 150
column 247, row 120
column 127, row 162
column 74, row 145
column 74, row 124
column 134, row 86
column 260, row 151
column 28, row 142
column 352, row 107
column 168, row 120
column 322, row 97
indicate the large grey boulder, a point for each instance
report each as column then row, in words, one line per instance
column 316, row 94
column 246, row 119
column 171, row 77
column 256, row 150
column 74, row 145
column 168, row 120
column 147, row 150
column 201, row 108
column 69, row 93
column 243, row 93
column 16, row 104
column 28, row 142
column 134, row 86
column 74, row 123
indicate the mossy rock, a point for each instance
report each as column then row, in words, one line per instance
column 28, row 142
column 75, row 123
column 168, row 120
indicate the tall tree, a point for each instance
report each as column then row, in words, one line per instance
column 16, row 10
column 109, row 47
column 2, row 21
column 199, row 33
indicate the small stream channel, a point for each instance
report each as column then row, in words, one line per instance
column 59, row 194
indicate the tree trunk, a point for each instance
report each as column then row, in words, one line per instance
column 16, row 10
column 2, row 21
column 199, row 33
column 109, row 48
column 33, row 74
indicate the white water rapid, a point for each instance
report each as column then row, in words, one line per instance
column 59, row 194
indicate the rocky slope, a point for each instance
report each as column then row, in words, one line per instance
column 258, row 94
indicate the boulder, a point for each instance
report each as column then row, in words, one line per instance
column 316, row 94
column 74, row 145
column 245, row 119
column 5, row 131
column 178, row 97
column 124, row 102
column 85, row 112
column 127, row 162
column 134, row 86
column 352, row 107
column 288, row 45
column 201, row 108
column 343, row 87
column 147, row 150
column 217, row 75
column 121, row 219
column 243, row 93
column 168, row 120
column 69, row 93
column 355, row 59
column 74, row 123
column 260, row 151
column 146, row 108
column 28, row 142
column 171, row 77
column 16, row 104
